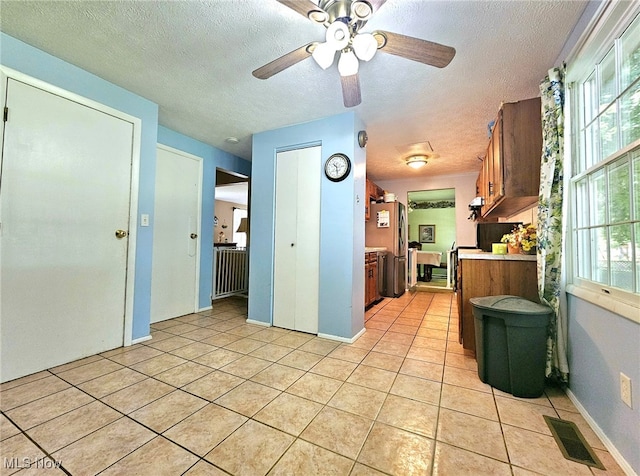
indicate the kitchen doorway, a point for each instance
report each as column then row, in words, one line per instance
column 432, row 233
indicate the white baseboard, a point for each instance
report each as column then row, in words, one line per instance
column 205, row 309
column 613, row 451
column 258, row 323
column 342, row 339
column 141, row 339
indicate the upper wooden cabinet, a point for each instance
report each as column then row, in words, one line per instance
column 372, row 192
column 510, row 177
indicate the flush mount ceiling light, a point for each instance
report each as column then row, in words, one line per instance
column 344, row 19
column 232, row 140
column 416, row 161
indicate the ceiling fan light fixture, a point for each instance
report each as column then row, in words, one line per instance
column 380, row 38
column 318, row 16
column 348, row 63
column 338, row 35
column 324, row 54
column 416, row 161
column 361, row 10
column 364, row 46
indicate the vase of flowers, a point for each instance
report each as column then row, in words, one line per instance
column 528, row 239
column 511, row 239
column 522, row 239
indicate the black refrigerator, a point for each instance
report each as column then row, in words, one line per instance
column 387, row 228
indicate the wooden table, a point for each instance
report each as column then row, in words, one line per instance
column 428, row 260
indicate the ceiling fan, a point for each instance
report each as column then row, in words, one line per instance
column 343, row 20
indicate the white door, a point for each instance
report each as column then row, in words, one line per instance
column 175, row 234
column 297, row 240
column 65, row 190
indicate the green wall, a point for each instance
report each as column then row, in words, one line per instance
column 445, row 221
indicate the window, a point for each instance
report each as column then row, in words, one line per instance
column 605, row 182
column 239, row 238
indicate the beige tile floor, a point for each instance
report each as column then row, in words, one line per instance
column 211, row 394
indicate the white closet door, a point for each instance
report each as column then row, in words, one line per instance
column 297, row 239
column 65, row 191
column 174, row 280
column 285, row 261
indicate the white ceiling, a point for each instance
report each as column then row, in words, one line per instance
column 234, row 193
column 195, row 58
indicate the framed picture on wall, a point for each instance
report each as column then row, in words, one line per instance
column 427, row 233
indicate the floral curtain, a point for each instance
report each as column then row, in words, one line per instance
column 550, row 224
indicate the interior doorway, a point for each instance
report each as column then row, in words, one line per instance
column 231, row 235
column 431, row 231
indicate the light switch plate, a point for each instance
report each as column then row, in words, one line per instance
column 144, row 219
column 625, row 389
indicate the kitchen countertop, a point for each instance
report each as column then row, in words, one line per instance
column 491, row 256
column 372, row 249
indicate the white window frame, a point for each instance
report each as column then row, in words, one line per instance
column 606, row 26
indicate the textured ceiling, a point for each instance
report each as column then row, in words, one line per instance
column 195, row 58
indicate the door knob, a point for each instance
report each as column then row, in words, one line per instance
column 121, row 234
column 193, row 236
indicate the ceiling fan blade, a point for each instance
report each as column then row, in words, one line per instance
column 351, row 90
column 415, row 49
column 303, row 7
column 282, row 63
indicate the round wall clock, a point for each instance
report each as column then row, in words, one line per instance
column 337, row 167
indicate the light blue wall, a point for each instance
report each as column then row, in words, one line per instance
column 601, row 345
column 213, row 158
column 341, row 293
column 37, row 64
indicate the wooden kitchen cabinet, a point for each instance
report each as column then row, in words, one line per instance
column 510, row 175
column 485, row 274
column 370, row 278
column 372, row 192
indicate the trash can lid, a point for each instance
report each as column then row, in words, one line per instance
column 515, row 304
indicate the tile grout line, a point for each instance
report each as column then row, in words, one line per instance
column 368, row 352
column 72, row 385
column 46, row 453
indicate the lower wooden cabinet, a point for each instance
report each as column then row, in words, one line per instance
column 370, row 278
column 492, row 277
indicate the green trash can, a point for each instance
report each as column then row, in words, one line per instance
column 511, row 343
